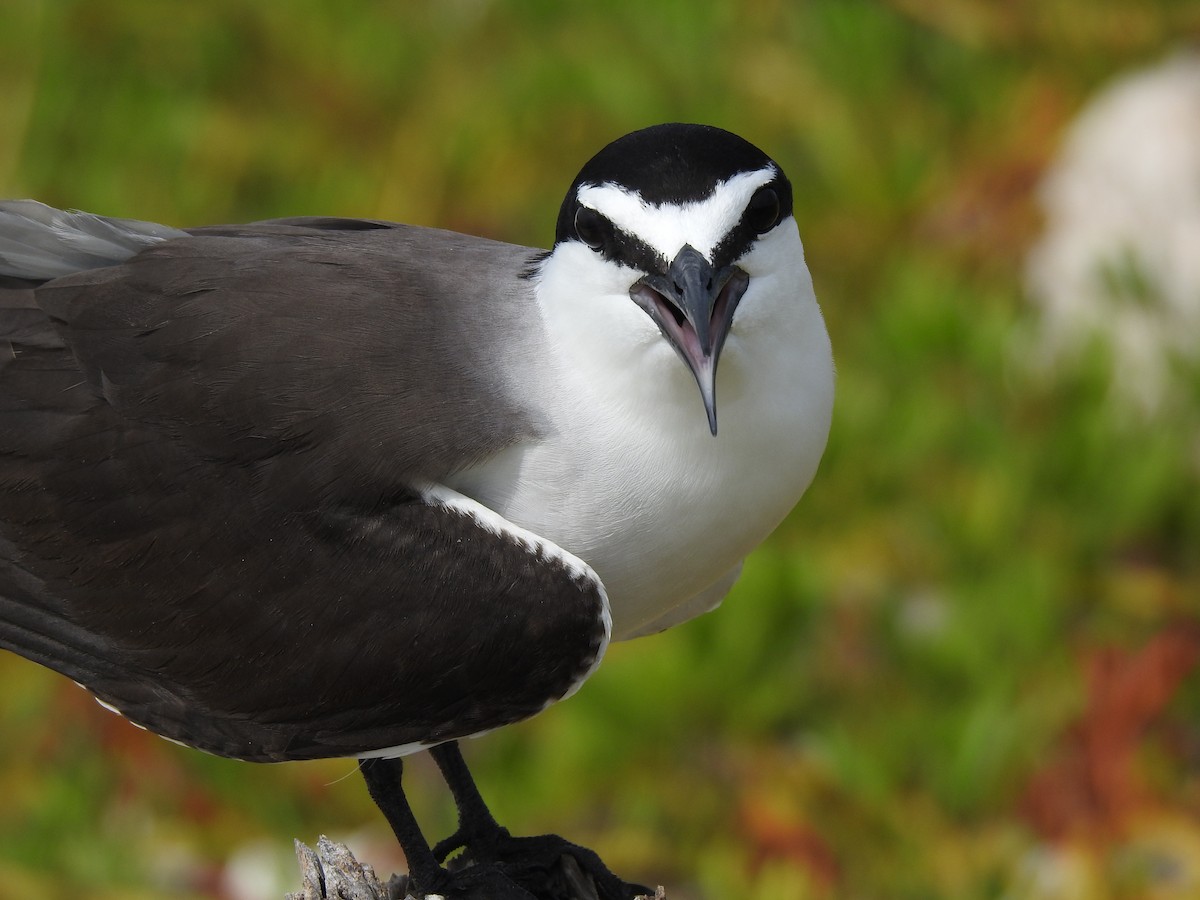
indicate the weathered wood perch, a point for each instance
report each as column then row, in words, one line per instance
column 332, row 873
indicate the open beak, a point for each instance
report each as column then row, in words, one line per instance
column 693, row 307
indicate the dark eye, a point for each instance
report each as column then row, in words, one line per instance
column 591, row 227
column 762, row 214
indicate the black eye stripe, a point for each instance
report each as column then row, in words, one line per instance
column 734, row 246
column 636, row 253
column 619, row 246
column 596, row 231
column 741, row 238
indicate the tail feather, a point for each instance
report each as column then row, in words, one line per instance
column 39, row 242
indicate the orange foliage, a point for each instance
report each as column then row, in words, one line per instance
column 1093, row 786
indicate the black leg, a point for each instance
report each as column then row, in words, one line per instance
column 476, row 825
column 481, row 882
column 535, row 863
column 383, row 784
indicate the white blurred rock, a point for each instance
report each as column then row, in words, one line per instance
column 257, row 870
column 1120, row 257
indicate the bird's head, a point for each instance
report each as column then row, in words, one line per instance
column 670, row 234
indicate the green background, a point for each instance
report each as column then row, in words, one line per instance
column 959, row 670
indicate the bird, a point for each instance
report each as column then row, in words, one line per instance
column 327, row 487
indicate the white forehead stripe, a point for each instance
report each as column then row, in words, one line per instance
column 668, row 227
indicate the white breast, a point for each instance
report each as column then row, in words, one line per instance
column 628, row 476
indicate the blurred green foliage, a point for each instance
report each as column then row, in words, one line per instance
column 878, row 709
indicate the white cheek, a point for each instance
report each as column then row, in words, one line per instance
column 610, row 365
column 778, row 252
column 779, row 280
column 585, row 300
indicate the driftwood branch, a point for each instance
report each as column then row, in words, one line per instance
column 330, row 872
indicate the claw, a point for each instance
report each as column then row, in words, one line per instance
column 552, row 868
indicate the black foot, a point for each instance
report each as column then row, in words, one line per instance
column 548, row 867
column 485, row 836
column 493, row 865
column 476, row 883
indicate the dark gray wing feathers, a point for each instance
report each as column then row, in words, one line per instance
column 304, row 336
column 207, row 511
